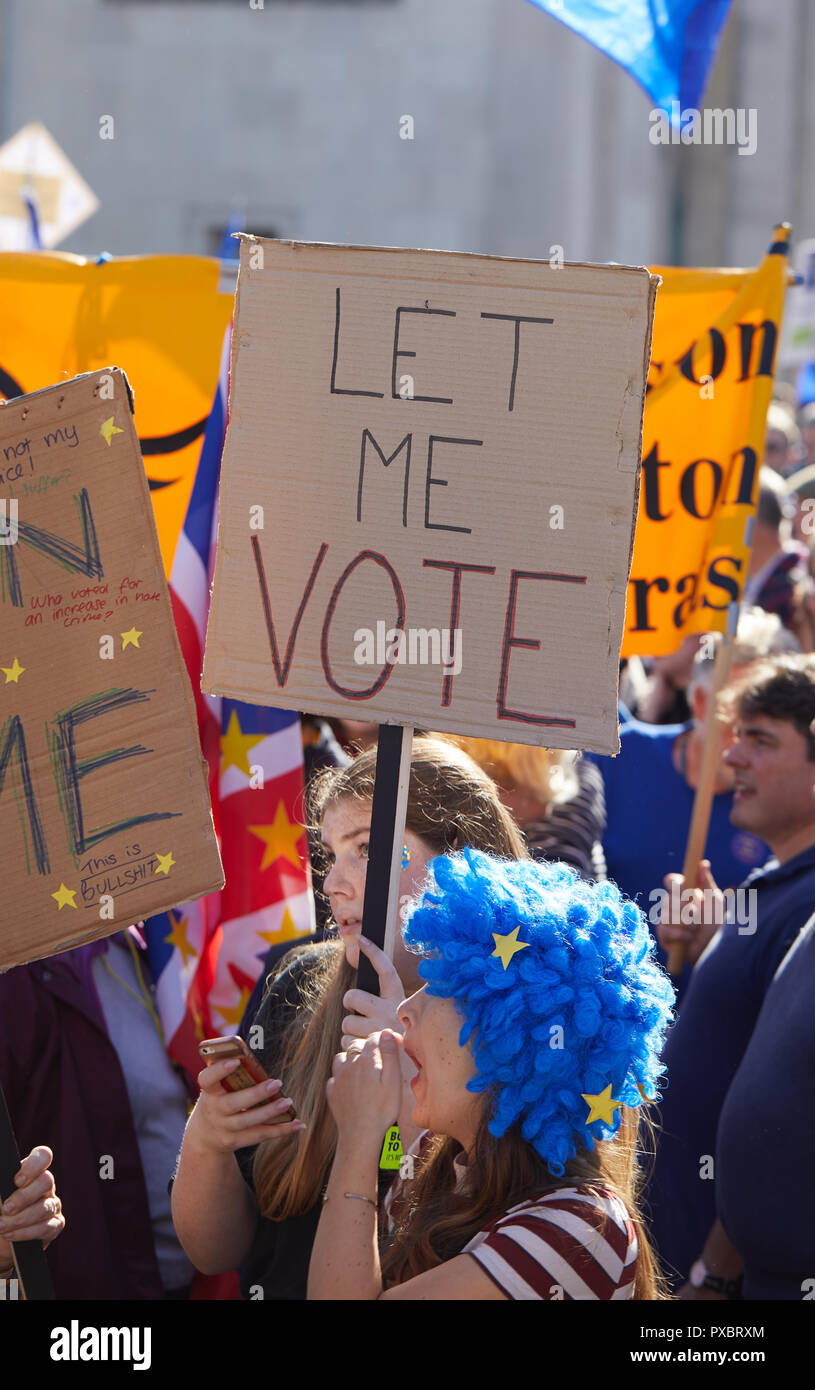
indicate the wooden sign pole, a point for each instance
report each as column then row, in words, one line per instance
column 33, row 1275
column 703, row 800
column 380, row 911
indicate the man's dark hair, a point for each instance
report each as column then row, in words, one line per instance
column 773, row 500
column 782, row 687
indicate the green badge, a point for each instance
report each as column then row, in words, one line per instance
column 391, row 1155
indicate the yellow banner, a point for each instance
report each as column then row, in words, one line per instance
column 710, row 382
column 159, row 318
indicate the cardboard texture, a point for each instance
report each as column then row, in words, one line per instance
column 104, row 810
column 443, row 445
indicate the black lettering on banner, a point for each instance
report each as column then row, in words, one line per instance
column 687, row 488
column 722, row 581
column 650, row 478
column 642, row 589
column 747, row 475
column 687, row 604
column 769, row 337
column 718, row 358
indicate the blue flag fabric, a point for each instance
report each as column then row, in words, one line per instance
column 667, row 45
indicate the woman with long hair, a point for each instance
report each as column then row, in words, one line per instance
column 247, row 1191
column 536, row 1040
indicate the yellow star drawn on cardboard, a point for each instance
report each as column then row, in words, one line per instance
column 507, row 946
column 64, row 896
column 13, row 672
column 235, row 745
column 165, row 863
column 131, row 638
column 601, row 1106
column 280, row 838
column 107, row 430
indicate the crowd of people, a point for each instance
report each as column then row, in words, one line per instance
column 574, row 1123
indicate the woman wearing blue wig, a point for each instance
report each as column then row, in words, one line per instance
column 536, row 1040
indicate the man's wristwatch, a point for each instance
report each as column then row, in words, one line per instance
column 701, row 1278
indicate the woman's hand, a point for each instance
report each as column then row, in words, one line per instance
column 34, row 1211
column 225, row 1120
column 372, row 1012
column 365, row 1089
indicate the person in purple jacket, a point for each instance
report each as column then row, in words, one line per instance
column 33, row 1211
column 84, row 1070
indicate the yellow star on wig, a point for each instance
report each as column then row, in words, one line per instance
column 507, row 946
column 601, row 1106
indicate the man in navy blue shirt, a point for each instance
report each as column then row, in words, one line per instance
column 773, row 762
column 765, row 1151
column 650, row 786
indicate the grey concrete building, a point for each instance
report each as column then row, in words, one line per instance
column 524, row 137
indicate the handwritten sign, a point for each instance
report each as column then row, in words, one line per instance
column 429, row 489
column 104, row 811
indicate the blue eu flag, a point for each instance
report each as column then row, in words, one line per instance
column 667, row 45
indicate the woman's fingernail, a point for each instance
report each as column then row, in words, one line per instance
column 298, row 1124
column 232, row 1064
column 272, row 1086
column 9, row 1205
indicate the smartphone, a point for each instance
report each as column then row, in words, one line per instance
column 249, row 1073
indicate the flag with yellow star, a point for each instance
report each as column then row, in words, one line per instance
column 207, row 955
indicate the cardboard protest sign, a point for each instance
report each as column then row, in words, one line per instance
column 104, row 810
column 709, row 386
column 428, row 489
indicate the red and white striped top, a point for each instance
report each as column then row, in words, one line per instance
column 568, row 1244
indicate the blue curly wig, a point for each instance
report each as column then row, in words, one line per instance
column 583, row 1005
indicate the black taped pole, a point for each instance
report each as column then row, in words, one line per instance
column 380, row 910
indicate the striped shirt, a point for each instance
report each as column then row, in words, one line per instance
column 569, row 1244
column 572, row 829
column 566, row 1245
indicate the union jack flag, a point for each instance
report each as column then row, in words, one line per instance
column 205, row 956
